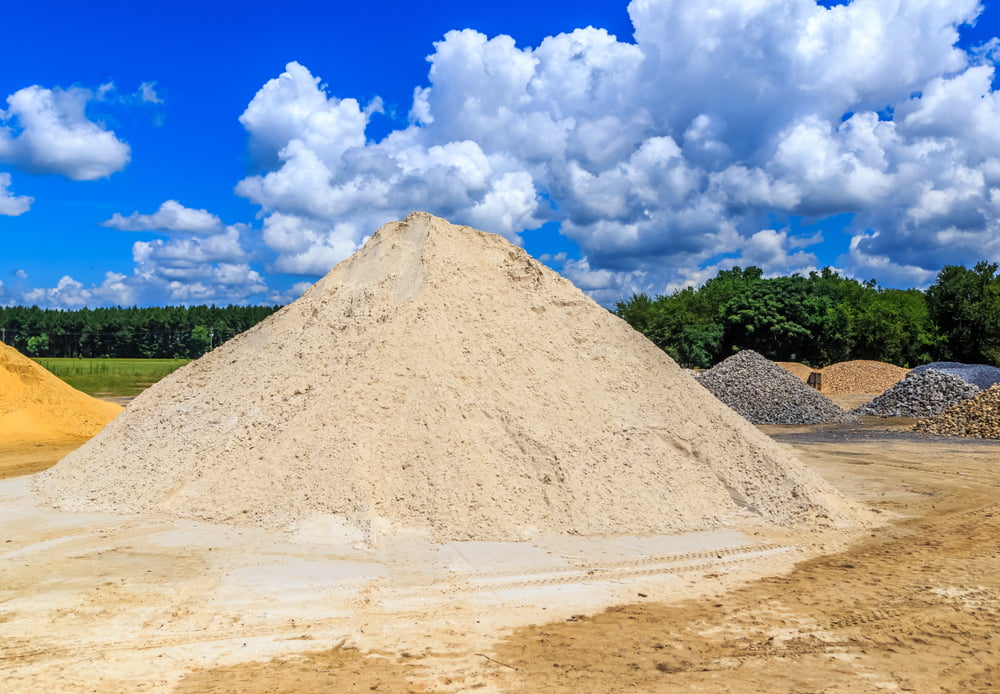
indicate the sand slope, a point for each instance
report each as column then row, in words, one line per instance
column 440, row 379
column 36, row 406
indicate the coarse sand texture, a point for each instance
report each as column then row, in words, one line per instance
column 36, row 406
column 440, row 380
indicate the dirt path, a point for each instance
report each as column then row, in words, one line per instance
column 27, row 458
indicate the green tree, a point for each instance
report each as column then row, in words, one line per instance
column 962, row 303
column 37, row 345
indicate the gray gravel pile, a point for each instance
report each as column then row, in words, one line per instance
column 979, row 375
column 921, row 394
column 765, row 393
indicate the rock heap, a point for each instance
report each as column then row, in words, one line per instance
column 977, row 417
column 921, row 394
column 765, row 393
column 980, row 375
column 441, row 381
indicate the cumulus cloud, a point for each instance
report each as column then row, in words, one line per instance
column 171, row 216
column 12, row 205
column 667, row 157
column 46, row 131
column 201, row 261
column 70, row 293
column 202, row 268
column 196, row 269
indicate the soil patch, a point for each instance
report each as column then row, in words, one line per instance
column 27, row 458
column 913, row 607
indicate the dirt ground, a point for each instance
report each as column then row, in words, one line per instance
column 912, row 606
column 26, row 458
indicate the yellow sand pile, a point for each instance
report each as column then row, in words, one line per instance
column 861, row 376
column 798, row 369
column 37, row 406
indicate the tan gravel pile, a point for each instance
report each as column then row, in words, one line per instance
column 977, row 417
column 440, row 380
column 861, row 376
column 797, row 369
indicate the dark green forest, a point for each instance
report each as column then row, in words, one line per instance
column 170, row 332
column 825, row 318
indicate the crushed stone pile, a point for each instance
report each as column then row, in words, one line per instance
column 37, row 406
column 861, row 376
column 977, row 417
column 797, row 369
column 980, row 375
column 440, row 380
column 765, row 393
column 920, row 394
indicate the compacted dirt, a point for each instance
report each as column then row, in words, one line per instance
column 912, row 606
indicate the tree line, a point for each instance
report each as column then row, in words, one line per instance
column 168, row 332
column 825, row 318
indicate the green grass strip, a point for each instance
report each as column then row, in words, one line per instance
column 111, row 377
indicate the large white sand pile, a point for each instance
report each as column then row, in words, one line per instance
column 440, row 379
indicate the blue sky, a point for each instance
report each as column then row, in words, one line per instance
column 204, row 154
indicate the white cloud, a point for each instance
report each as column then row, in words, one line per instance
column 665, row 157
column 46, row 131
column 147, row 93
column 197, row 268
column 194, row 269
column 171, row 216
column 290, row 295
column 70, row 293
column 12, row 205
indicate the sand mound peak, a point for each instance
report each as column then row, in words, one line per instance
column 37, row 406
column 440, row 379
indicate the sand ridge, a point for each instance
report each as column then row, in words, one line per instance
column 440, row 379
column 35, row 405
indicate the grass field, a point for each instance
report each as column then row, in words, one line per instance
column 111, row 377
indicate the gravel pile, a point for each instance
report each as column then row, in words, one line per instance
column 861, row 376
column 977, row 417
column 922, row 394
column 979, row 375
column 765, row 393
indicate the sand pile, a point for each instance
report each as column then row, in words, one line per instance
column 920, row 394
column 797, row 369
column 977, row 417
column 861, row 376
column 37, row 406
column 765, row 393
column 440, row 379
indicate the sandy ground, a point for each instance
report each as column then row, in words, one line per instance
column 121, row 604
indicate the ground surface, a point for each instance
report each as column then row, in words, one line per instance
column 90, row 603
